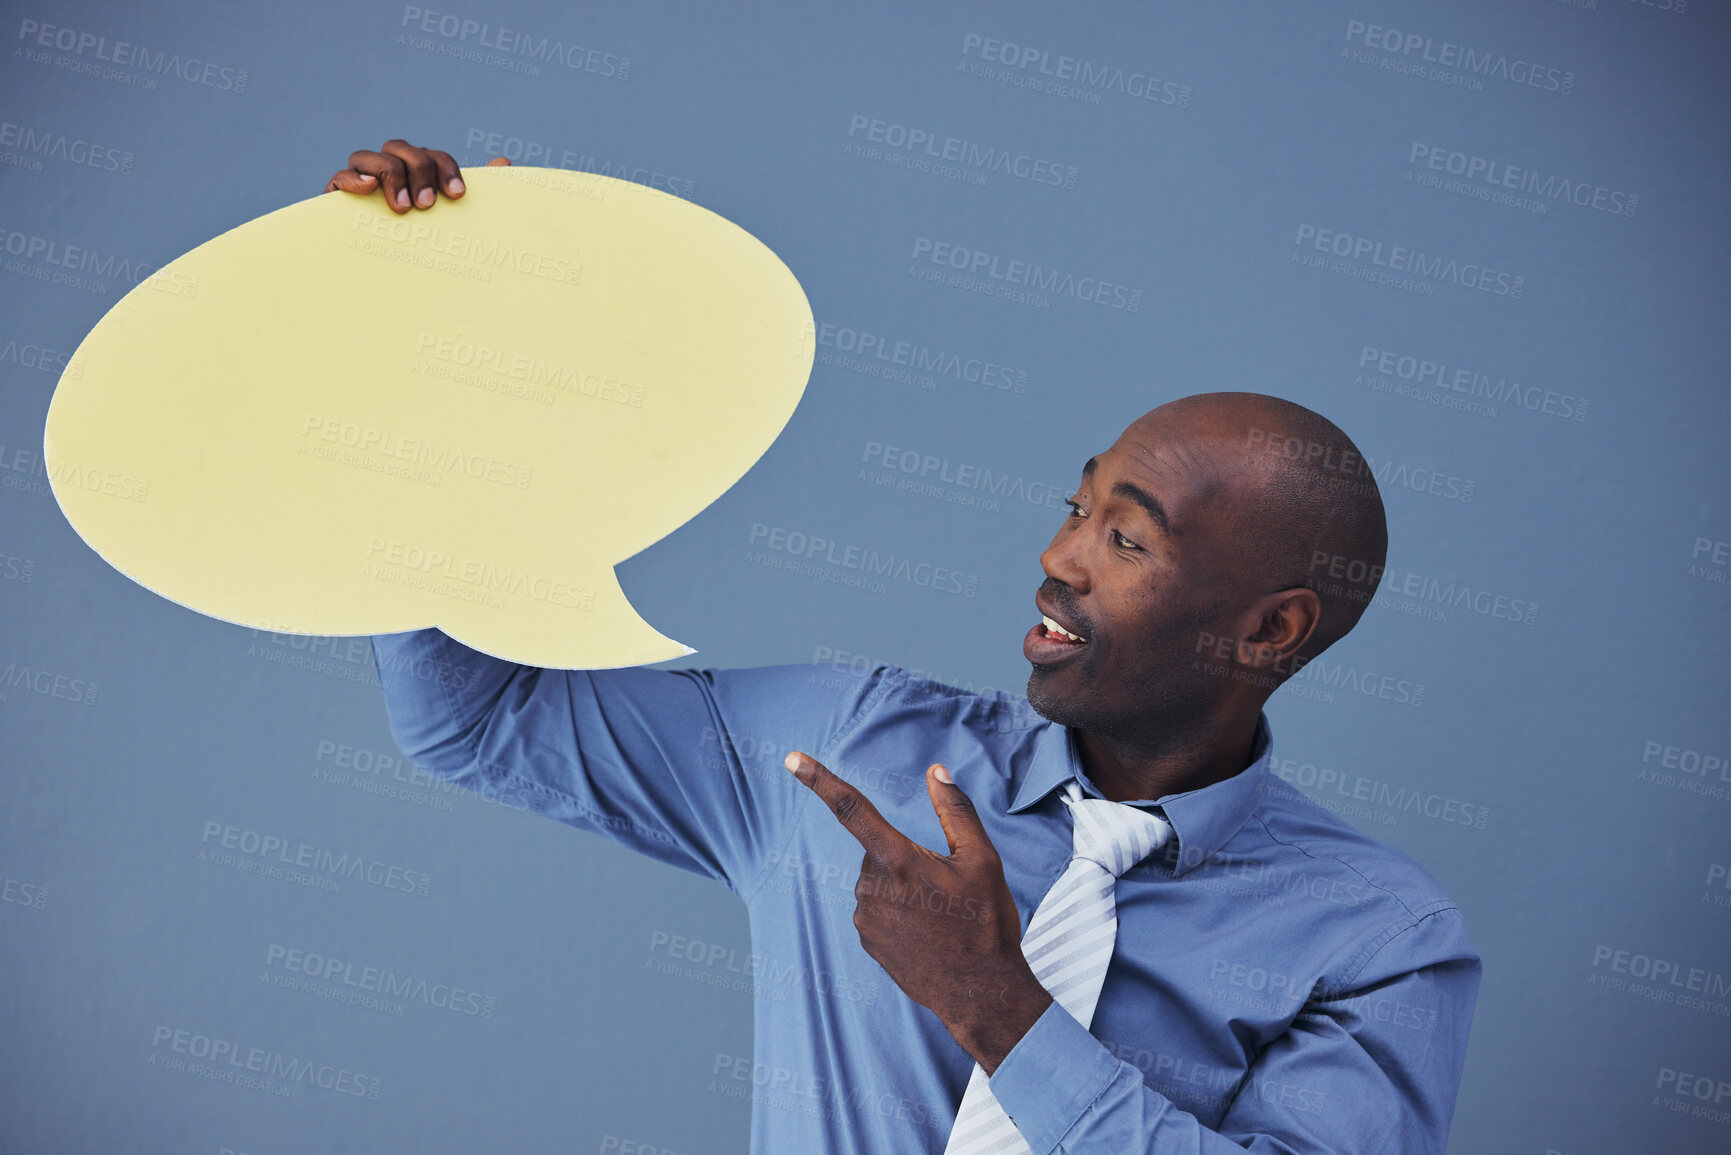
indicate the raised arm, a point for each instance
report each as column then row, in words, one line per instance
column 681, row 765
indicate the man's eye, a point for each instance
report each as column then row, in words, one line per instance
column 1075, row 510
column 1120, row 539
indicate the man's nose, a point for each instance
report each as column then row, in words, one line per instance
column 1065, row 561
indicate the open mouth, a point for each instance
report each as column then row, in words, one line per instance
column 1051, row 642
column 1058, row 633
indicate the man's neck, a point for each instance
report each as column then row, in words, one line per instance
column 1125, row 772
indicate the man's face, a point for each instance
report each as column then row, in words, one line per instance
column 1141, row 568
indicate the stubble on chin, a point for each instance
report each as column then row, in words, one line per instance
column 1066, row 711
column 1167, row 706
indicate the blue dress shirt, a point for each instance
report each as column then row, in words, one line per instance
column 1280, row 983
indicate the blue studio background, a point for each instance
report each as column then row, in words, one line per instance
column 1487, row 238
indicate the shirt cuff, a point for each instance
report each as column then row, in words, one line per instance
column 1051, row 1077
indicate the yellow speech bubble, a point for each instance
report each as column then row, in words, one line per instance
column 336, row 420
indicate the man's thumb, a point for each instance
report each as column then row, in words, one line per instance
column 956, row 813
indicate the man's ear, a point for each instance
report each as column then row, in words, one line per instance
column 1282, row 623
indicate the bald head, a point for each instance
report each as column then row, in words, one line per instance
column 1218, row 544
column 1304, row 507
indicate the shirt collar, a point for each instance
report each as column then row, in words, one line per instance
column 1202, row 820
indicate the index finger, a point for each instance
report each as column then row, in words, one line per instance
column 851, row 808
column 388, row 171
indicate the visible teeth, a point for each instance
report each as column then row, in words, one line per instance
column 1053, row 627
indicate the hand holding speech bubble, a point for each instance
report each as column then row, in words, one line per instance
column 336, row 420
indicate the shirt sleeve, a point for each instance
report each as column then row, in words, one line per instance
column 1373, row 1070
column 682, row 765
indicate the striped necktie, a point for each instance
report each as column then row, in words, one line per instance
column 1068, row 944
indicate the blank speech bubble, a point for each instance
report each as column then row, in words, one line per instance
column 336, row 420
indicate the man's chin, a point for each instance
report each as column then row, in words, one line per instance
column 1049, row 700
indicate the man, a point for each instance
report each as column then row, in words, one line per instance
column 1275, row 980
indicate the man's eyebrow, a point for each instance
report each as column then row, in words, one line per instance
column 1149, row 503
